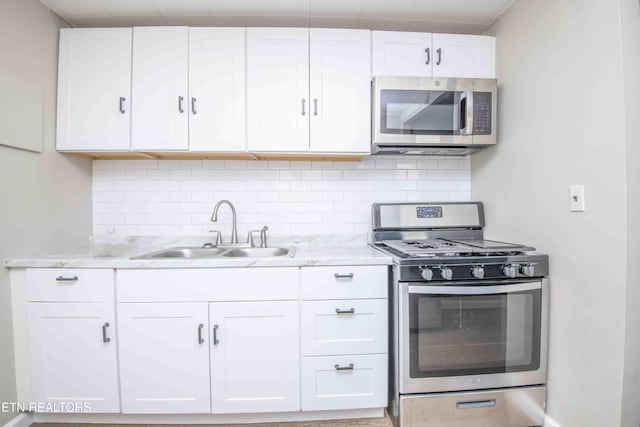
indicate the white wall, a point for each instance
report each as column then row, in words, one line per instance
column 168, row 197
column 630, row 32
column 45, row 199
column 559, row 67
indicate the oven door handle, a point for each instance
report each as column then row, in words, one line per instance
column 474, row 289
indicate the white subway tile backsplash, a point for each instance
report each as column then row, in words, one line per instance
column 173, row 197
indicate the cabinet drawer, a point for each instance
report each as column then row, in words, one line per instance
column 70, row 285
column 344, row 282
column 344, row 327
column 344, row 382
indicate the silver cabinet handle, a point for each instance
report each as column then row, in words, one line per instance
column 315, row 107
column 180, row 109
column 200, row 339
column 344, row 368
column 343, row 276
column 473, row 404
column 67, row 279
column 428, row 52
column 105, row 338
column 215, row 335
column 303, row 102
column 122, row 99
column 193, row 105
column 439, row 52
column 350, row 311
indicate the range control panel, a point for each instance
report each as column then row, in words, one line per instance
column 482, row 113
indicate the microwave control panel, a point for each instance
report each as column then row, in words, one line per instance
column 482, row 113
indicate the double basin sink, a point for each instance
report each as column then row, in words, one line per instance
column 196, row 252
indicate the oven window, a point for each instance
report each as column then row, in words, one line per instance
column 453, row 335
column 422, row 112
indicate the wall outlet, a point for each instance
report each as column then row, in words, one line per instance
column 576, row 198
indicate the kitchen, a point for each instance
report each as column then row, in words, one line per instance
column 566, row 51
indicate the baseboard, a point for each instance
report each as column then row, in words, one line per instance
column 550, row 422
column 22, row 420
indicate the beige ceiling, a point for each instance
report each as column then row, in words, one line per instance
column 459, row 16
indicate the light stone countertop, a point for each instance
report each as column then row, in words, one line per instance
column 109, row 252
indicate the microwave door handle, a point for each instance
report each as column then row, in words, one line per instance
column 474, row 290
column 466, row 114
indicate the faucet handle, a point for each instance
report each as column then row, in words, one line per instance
column 250, row 236
column 218, row 236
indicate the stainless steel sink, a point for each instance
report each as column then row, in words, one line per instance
column 257, row 252
column 195, row 252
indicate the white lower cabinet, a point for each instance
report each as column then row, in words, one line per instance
column 164, row 358
column 344, row 327
column 73, row 354
column 254, row 357
column 344, row 382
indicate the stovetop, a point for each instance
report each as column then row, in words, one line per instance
column 452, row 247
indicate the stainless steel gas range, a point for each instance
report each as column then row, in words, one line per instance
column 468, row 319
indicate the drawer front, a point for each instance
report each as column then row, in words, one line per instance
column 344, row 382
column 344, row 282
column 208, row 284
column 344, row 327
column 70, row 285
column 520, row 407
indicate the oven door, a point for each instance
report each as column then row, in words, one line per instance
column 472, row 335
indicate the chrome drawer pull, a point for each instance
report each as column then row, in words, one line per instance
column 344, row 368
column 67, row 279
column 105, row 339
column 343, row 276
column 473, row 404
column 350, row 311
column 200, row 339
column 122, row 99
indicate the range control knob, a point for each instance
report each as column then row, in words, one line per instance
column 509, row 270
column 477, row 272
column 528, row 270
column 426, row 273
column 446, row 273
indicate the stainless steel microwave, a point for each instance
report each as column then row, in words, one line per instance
column 433, row 115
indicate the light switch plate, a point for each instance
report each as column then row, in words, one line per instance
column 576, row 198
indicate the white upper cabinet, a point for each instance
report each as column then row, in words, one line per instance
column 160, row 107
column 397, row 53
column 94, row 89
column 216, row 90
column 73, row 354
column 458, row 55
column 254, row 357
column 340, row 91
column 441, row 55
column 164, row 358
column 278, row 89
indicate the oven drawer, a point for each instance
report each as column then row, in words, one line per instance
column 344, row 327
column 70, row 285
column 519, row 407
column 344, row 282
column 344, row 382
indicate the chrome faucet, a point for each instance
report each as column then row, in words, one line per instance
column 214, row 218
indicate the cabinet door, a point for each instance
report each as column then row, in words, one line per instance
column 458, row 55
column 164, row 358
column 160, row 118
column 397, row 53
column 254, row 357
column 278, row 89
column 340, row 70
column 94, row 89
column 216, row 89
column 73, row 354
